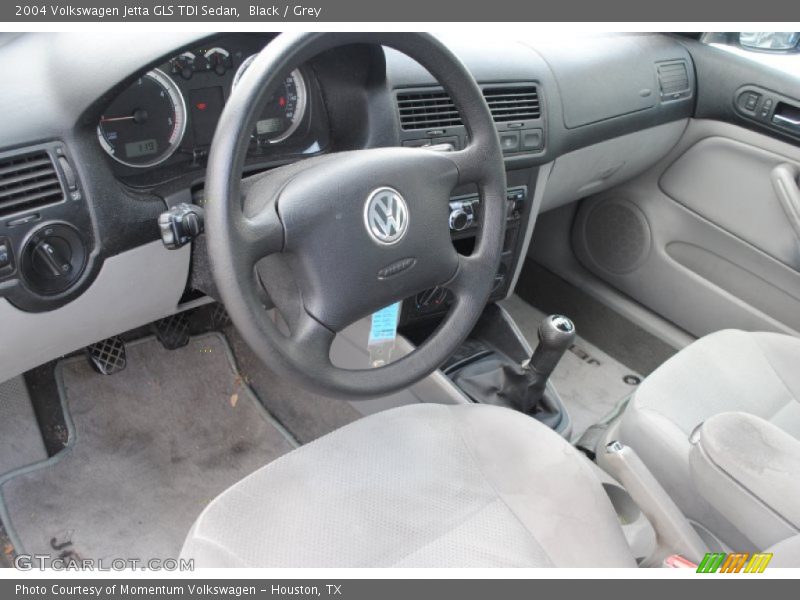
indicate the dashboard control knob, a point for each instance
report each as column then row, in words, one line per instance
column 460, row 218
column 52, row 256
column 53, row 259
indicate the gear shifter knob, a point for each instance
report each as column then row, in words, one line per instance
column 556, row 335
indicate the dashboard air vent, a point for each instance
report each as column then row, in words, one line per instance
column 673, row 79
column 424, row 110
column 513, row 103
column 28, row 181
column 434, row 109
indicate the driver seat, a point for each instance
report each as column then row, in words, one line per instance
column 426, row 485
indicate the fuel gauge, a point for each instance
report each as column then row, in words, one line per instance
column 184, row 65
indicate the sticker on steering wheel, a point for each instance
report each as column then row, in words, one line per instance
column 382, row 334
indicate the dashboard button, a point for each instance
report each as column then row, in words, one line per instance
column 532, row 139
column 509, row 141
column 751, row 100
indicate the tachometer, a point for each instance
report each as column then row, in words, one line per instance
column 145, row 124
column 283, row 112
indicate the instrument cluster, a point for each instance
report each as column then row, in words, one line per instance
column 167, row 117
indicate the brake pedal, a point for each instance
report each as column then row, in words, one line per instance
column 172, row 332
column 107, row 356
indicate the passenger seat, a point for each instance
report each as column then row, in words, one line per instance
column 719, row 426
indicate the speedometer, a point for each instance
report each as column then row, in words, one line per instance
column 145, row 124
column 283, row 111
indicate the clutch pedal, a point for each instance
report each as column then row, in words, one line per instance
column 107, row 356
column 172, row 332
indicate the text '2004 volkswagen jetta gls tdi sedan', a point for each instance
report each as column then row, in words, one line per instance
column 398, row 300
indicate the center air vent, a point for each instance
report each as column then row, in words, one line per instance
column 434, row 109
column 425, row 110
column 28, row 181
column 673, row 80
column 513, row 103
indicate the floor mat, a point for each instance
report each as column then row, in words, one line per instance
column 619, row 337
column 149, row 448
column 305, row 414
column 589, row 381
column 21, row 441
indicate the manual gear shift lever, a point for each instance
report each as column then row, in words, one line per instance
column 556, row 335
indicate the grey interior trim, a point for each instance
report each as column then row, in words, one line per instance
column 132, row 289
column 639, row 532
column 536, row 204
column 196, row 303
column 599, row 167
column 673, row 531
column 552, row 248
column 704, row 271
column 730, row 183
column 784, row 181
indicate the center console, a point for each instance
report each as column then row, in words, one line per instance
column 496, row 364
column 465, row 222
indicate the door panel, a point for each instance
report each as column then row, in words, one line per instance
column 710, row 237
column 702, row 238
column 730, row 183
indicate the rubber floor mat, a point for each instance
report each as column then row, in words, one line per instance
column 149, row 447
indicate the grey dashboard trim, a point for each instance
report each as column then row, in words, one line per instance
column 536, row 204
column 132, row 289
column 592, row 169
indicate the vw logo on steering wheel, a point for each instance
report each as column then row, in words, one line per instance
column 386, row 215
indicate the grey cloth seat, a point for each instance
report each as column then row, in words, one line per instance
column 727, row 371
column 423, row 485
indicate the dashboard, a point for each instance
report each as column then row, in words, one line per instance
column 104, row 133
column 163, row 123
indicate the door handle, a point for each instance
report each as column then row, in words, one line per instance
column 784, row 182
column 787, row 120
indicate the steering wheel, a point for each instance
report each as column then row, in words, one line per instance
column 334, row 238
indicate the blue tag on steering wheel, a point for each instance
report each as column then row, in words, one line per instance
column 384, row 324
column 382, row 334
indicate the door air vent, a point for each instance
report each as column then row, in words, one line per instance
column 673, row 80
column 513, row 103
column 433, row 109
column 28, row 181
